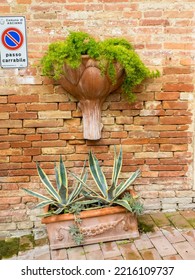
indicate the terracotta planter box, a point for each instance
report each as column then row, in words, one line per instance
column 101, row 225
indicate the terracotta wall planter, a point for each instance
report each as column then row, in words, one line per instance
column 106, row 224
column 91, row 88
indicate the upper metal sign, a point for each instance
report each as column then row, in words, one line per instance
column 13, row 43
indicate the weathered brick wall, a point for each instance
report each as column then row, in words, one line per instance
column 39, row 121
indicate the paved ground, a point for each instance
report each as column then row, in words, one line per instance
column 164, row 236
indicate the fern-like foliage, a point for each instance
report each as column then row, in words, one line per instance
column 107, row 52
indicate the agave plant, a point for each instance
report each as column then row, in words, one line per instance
column 108, row 195
column 59, row 198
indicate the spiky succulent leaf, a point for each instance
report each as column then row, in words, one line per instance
column 122, row 187
column 45, row 180
column 83, row 183
column 57, row 177
column 98, row 175
column 123, row 203
column 44, row 203
column 74, row 194
column 58, row 211
column 116, row 168
column 63, row 181
column 35, row 194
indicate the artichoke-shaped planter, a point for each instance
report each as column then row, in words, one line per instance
column 90, row 87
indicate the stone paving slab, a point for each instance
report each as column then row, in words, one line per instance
column 163, row 246
column 150, row 254
column 178, row 221
column 185, row 250
column 172, row 234
column 189, row 235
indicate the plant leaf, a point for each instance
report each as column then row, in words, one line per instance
column 44, row 203
column 123, row 203
column 117, row 167
column 83, row 183
column 45, row 180
column 98, row 175
column 63, row 181
column 58, row 211
column 35, row 194
column 74, row 194
column 122, row 187
column 57, row 177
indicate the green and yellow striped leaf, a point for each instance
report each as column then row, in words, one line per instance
column 98, row 175
column 45, row 180
column 117, row 167
column 122, row 187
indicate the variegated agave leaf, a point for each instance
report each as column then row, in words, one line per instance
column 49, row 187
column 117, row 167
column 60, row 197
column 98, row 175
column 122, row 187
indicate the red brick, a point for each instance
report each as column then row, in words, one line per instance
column 51, row 136
column 21, row 131
column 3, row 131
column 56, row 143
column 175, row 105
column 23, row 98
column 175, row 120
column 125, row 106
column 151, row 148
column 22, row 144
column 95, row 149
column 41, row 107
column 177, row 70
column 178, row 46
column 167, row 95
column 10, row 123
column 173, row 147
column 10, row 200
column 42, row 123
column 67, row 106
column 176, row 134
column 154, row 22
column 20, row 172
column 166, row 167
column 23, row 115
column 4, row 146
column 124, row 120
column 20, row 159
column 14, row 179
column 3, row 99
column 179, row 87
column 71, row 136
column 171, row 173
column 145, row 120
column 120, row 134
column 12, row 138
column 32, row 151
column 33, row 137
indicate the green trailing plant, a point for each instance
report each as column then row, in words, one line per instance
column 60, row 199
column 107, row 52
column 110, row 195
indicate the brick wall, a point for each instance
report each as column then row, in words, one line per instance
column 39, row 121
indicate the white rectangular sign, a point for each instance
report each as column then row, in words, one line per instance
column 13, row 43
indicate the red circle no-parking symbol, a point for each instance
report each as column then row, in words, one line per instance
column 12, row 38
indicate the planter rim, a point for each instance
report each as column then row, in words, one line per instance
column 85, row 214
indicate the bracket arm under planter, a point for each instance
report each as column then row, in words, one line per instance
column 90, row 87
